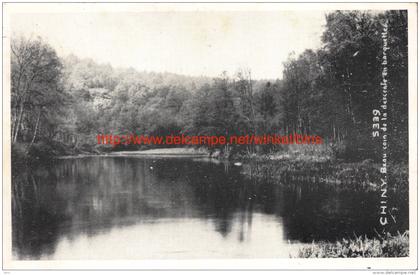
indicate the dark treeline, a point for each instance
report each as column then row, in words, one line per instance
column 59, row 105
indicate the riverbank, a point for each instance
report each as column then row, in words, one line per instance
column 356, row 175
column 42, row 151
column 386, row 246
column 164, row 152
column 24, row 153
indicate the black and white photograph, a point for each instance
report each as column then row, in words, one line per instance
column 209, row 136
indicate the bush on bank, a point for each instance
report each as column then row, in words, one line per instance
column 43, row 151
column 387, row 246
column 365, row 174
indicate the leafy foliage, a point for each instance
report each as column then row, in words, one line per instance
column 329, row 91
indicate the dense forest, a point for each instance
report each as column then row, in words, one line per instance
column 59, row 105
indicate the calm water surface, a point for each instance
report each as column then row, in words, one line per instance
column 139, row 208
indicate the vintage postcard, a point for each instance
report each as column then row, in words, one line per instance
column 209, row 136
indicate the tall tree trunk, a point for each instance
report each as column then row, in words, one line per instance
column 13, row 125
column 36, row 130
column 18, row 123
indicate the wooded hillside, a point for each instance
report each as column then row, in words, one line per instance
column 331, row 92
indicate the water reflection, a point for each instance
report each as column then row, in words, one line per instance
column 133, row 208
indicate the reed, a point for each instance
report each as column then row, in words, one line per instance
column 382, row 246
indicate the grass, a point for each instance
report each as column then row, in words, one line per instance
column 386, row 246
column 356, row 175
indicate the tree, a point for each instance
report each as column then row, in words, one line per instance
column 36, row 86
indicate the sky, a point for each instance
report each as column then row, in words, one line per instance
column 184, row 42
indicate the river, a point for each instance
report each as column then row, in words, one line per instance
column 177, row 208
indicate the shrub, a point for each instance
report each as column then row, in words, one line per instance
column 386, row 246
